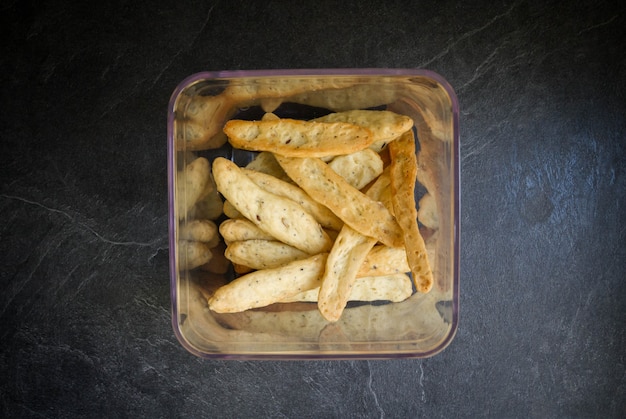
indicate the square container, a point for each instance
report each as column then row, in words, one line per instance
column 420, row 326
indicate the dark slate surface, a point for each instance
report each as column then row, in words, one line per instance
column 84, row 287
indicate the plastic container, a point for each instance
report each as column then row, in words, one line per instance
column 420, row 326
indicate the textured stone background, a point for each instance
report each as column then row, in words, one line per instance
column 84, row 286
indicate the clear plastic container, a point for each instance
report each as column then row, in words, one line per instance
column 420, row 326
